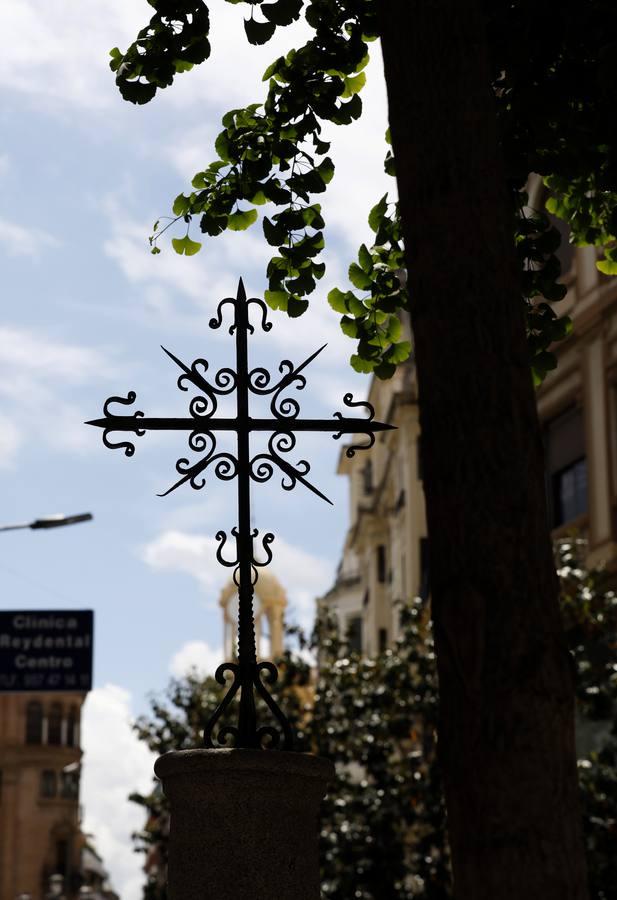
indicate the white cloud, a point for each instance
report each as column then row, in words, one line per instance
column 27, row 353
column 35, row 371
column 197, row 655
column 192, row 554
column 198, row 515
column 168, row 280
column 199, row 278
column 303, row 575
column 115, row 764
column 18, row 240
column 10, row 441
column 333, row 387
column 58, row 52
column 194, row 150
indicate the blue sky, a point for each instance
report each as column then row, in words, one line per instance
column 83, row 176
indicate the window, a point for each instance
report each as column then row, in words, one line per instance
column 54, row 734
column 381, row 564
column 48, row 783
column 34, row 723
column 71, row 732
column 566, row 468
column 570, row 492
column 69, row 782
column 383, row 640
column 62, row 857
column 354, row 634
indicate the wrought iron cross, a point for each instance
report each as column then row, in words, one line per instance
column 201, row 425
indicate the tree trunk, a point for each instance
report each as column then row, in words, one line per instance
column 507, row 710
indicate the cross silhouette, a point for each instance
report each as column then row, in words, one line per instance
column 202, row 424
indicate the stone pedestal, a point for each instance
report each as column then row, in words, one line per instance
column 244, row 823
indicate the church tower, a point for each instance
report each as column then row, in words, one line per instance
column 270, row 602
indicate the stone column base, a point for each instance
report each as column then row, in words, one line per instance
column 244, row 823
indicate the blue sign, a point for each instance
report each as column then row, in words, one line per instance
column 43, row 650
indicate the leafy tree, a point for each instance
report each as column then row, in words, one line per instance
column 479, row 96
column 383, row 834
column 383, row 821
column 589, row 609
column 263, row 158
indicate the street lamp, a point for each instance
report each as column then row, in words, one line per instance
column 50, row 522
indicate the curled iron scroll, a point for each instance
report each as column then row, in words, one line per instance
column 265, row 325
column 267, row 731
column 273, row 737
column 127, row 446
column 348, row 400
column 260, row 382
column 225, row 464
column 230, row 730
column 221, row 537
column 262, row 466
column 266, row 540
column 217, row 320
column 224, row 383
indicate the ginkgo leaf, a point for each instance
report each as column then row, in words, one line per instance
column 185, row 246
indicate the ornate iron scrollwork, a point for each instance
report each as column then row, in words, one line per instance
column 249, row 677
column 127, row 446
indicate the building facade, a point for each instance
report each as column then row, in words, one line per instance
column 385, row 555
column 577, row 404
column 40, row 760
column 385, row 558
column 94, row 877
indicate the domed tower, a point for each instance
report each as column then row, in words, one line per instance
column 270, row 601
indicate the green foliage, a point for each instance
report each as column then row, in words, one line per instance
column 273, row 152
column 598, row 781
column 383, row 821
column 589, row 608
column 372, row 313
column 382, row 833
column 175, row 39
column 537, row 242
column 373, row 316
column 177, row 719
column 185, row 246
column 556, row 101
column 555, row 85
